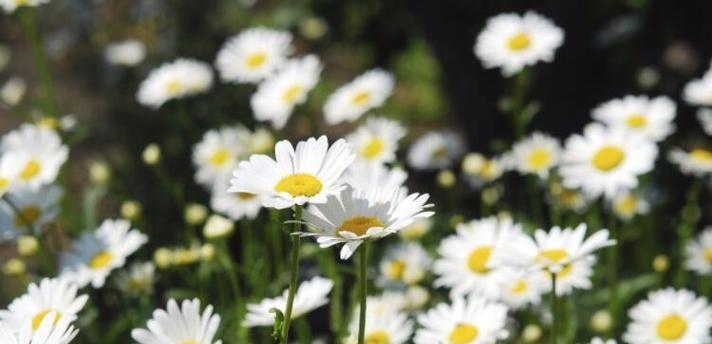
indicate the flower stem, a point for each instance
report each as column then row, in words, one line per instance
column 689, row 216
column 613, row 254
column 363, row 289
column 29, row 22
column 293, row 273
column 554, row 307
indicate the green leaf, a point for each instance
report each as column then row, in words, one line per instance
column 278, row 323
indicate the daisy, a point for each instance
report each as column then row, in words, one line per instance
column 606, row 161
column 48, row 332
column 705, row 118
column 13, row 90
column 308, row 174
column 520, row 288
column 389, row 302
column 628, row 204
column 40, row 152
column 352, row 216
column 363, row 177
column 253, row 55
column 570, row 199
column 261, row 141
column 310, row 295
column 699, row 91
column 481, row 170
column 696, row 162
column 464, row 321
column 597, row 340
column 349, row 102
column 435, row 150
column 699, row 253
column 180, row 325
column 377, row 141
column 417, row 229
column 277, row 96
column 406, row 263
column 465, row 263
column 138, row 279
column 9, row 169
column 234, row 205
column 174, row 80
column 653, row 118
column 53, row 296
column 95, row 254
column 511, row 42
column 537, row 154
column 217, row 154
column 26, row 211
column 127, row 53
column 9, row 6
column 382, row 328
column 670, row 316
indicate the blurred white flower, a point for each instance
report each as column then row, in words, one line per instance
column 377, row 141
column 471, row 320
column 137, row 279
column 435, row 150
column 253, row 55
column 310, row 295
column 696, row 162
column 699, row 253
column 480, row 170
column 30, row 210
column 699, row 91
column 48, row 332
column 217, row 154
column 9, row 6
column 521, row 288
column 365, row 176
column 180, row 324
column 174, row 80
column 417, row 229
column 391, row 326
column 367, row 91
column 217, row 227
column 39, row 151
column 705, row 117
column 628, row 204
column 234, row 205
column 536, row 154
column 405, row 263
column 13, row 90
column 128, row 53
column 651, row 117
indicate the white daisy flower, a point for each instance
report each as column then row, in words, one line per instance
column 310, row 295
column 234, row 205
column 253, row 55
column 392, row 327
column 696, row 162
column 180, row 325
column 570, row 199
column 521, row 288
column 40, row 152
column 9, row 170
column 277, row 96
column 405, row 263
column 377, row 141
column 670, row 316
column 435, row 150
column 606, row 161
column 352, row 216
column 597, row 340
column 363, row 177
column 628, row 204
column 137, row 279
column 389, row 302
column 653, row 118
column 699, row 91
column 127, row 53
column 9, row 6
column 480, row 170
column 50, row 296
column 96, row 253
column 537, row 154
column 308, row 174
column 49, row 332
column 349, row 102
column 217, row 154
column 30, row 210
column 417, row 229
column 511, row 42
column 13, row 90
column 466, row 321
column 564, row 252
column 699, row 253
column 465, row 263
column 705, row 117
column 180, row 78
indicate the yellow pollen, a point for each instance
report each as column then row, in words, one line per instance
column 708, row 254
column 373, row 148
column 219, row 157
column 608, row 158
column 626, row 205
column 174, row 87
column 701, row 154
column 245, row 196
column 519, row 287
column 299, row 184
column 37, row 319
column 463, row 334
column 377, row 337
column 548, row 257
column 519, row 42
column 488, row 169
column 22, row 2
column 672, row 327
column 32, row 169
column 255, row 60
column 27, row 216
column 4, row 182
column 539, row 158
column 189, row 341
column 292, row 93
column 361, row 98
column 478, row 259
column 395, row 269
column 636, row 120
column 359, row 225
column 101, row 260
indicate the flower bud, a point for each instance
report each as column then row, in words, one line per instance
column 152, row 154
column 99, row 172
column 14, row 267
column 130, row 210
column 601, row 321
column 163, row 258
column 218, row 227
column 531, row 333
column 446, row 179
column 27, row 245
column 195, row 213
column 661, row 263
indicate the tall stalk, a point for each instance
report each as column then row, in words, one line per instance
column 363, row 289
column 29, row 23
column 613, row 256
column 554, row 307
column 294, row 271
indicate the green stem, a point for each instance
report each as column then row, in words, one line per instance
column 688, row 219
column 293, row 273
column 363, row 290
column 613, row 254
column 29, row 22
column 554, row 307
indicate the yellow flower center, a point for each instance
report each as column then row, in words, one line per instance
column 608, row 158
column 488, row 169
column 27, row 216
column 539, row 158
column 37, row 319
column 478, row 259
column 48, row 123
column 174, row 87
column 377, row 337
column 438, row 153
column 708, row 254
column 299, row 184
column 519, row 42
column 373, row 148
column 519, row 287
column 636, row 120
column 22, row 2
column 189, row 341
column 245, row 196
column 701, row 154
column 463, row 334
column 361, row 98
column 672, row 327
column 551, row 256
column 395, row 269
column 626, row 205
column 101, row 260
column 32, row 169
column 219, row 157
column 4, row 182
column 255, row 60
column 359, row 225
column 292, row 93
